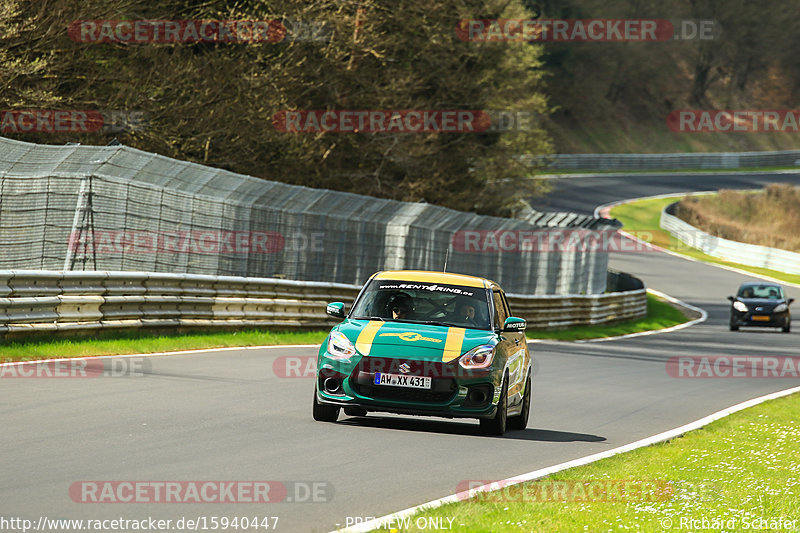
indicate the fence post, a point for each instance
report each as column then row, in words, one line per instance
column 82, row 222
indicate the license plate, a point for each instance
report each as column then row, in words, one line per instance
column 400, row 380
column 761, row 318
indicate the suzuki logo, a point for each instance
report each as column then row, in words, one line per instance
column 405, row 368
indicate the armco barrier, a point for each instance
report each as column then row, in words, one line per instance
column 544, row 312
column 50, row 301
column 737, row 252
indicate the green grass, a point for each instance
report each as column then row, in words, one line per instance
column 660, row 315
column 113, row 343
column 644, row 216
column 743, row 467
column 765, row 217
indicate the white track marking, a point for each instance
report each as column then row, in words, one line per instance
column 181, row 352
column 537, row 474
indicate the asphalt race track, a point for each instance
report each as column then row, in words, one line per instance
column 226, row 416
column 583, row 194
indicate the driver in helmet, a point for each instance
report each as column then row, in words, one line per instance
column 399, row 306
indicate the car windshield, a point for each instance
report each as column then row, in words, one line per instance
column 419, row 302
column 771, row 292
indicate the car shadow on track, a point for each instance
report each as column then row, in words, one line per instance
column 547, row 435
column 757, row 329
column 463, row 428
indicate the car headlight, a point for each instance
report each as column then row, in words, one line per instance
column 478, row 357
column 739, row 306
column 340, row 347
column 780, row 308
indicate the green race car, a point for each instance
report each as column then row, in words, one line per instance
column 427, row 343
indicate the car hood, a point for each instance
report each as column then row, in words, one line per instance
column 413, row 341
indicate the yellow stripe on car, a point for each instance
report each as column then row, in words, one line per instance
column 367, row 335
column 452, row 345
column 423, row 276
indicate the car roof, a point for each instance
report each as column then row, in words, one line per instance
column 427, row 276
column 758, row 284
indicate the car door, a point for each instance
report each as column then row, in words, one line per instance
column 512, row 343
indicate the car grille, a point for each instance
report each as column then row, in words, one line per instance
column 434, row 369
column 443, row 387
column 400, row 394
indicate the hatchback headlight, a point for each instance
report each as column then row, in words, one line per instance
column 739, row 306
column 478, row 357
column 340, row 347
column 780, row 308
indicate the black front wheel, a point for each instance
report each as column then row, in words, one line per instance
column 324, row 412
column 497, row 424
column 788, row 327
column 520, row 421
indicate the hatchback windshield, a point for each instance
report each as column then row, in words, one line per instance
column 427, row 303
column 772, row 292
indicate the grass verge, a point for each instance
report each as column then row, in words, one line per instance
column 660, row 315
column 767, row 217
column 113, row 343
column 736, row 474
column 644, row 215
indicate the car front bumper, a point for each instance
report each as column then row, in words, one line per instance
column 774, row 320
column 454, row 393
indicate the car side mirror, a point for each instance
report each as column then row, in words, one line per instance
column 513, row 323
column 335, row 309
column 731, row 298
column 790, row 300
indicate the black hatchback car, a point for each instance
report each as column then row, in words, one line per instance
column 761, row 304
